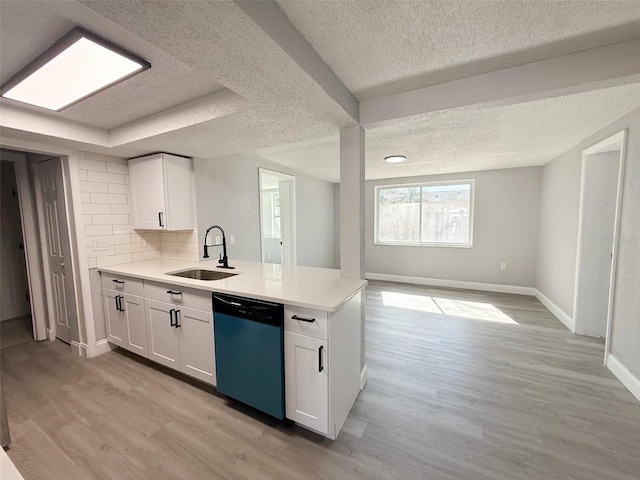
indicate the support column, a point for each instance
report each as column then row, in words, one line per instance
column 352, row 202
column 352, row 217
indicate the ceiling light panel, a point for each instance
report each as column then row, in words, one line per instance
column 77, row 66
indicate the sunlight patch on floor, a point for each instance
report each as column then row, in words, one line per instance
column 447, row 306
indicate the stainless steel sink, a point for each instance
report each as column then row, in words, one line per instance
column 199, row 274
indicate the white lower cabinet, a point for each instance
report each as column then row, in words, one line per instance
column 307, row 381
column 125, row 321
column 181, row 338
column 322, row 365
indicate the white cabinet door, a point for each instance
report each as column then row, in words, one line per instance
column 307, row 389
column 197, row 356
column 162, row 192
column 148, row 205
column 116, row 321
column 163, row 338
column 136, row 326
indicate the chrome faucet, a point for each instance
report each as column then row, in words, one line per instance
column 223, row 260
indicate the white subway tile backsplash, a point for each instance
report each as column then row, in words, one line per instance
column 96, row 208
column 175, row 246
column 92, row 262
column 117, row 168
column 82, row 174
column 109, row 198
column 129, row 248
column 120, row 209
column 92, row 187
column 92, row 253
column 93, row 230
column 106, row 177
column 94, row 165
column 148, row 255
column 88, row 219
column 110, row 219
column 188, row 256
column 85, row 197
column 118, row 229
column 103, row 158
column 116, row 188
column 119, row 239
column 114, row 260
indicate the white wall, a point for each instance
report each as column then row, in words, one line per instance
column 506, row 216
column 559, row 230
column 227, row 194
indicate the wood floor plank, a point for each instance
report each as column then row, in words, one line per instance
column 448, row 397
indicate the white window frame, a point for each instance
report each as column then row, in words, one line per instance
column 469, row 181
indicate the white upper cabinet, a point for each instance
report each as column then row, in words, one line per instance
column 162, row 192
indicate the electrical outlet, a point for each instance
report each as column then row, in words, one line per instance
column 269, row 256
column 208, row 240
column 218, row 239
column 100, row 244
column 233, row 239
column 142, row 242
column 503, row 266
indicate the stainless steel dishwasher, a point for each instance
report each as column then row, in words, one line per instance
column 249, row 339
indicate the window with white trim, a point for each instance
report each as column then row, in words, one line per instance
column 430, row 214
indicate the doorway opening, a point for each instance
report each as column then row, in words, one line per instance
column 277, row 217
column 16, row 325
column 598, row 229
column 44, row 203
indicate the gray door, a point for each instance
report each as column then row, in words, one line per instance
column 57, row 251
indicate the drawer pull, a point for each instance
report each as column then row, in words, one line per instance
column 178, row 319
column 115, row 280
column 302, row 319
column 171, row 292
column 320, row 366
column 171, row 322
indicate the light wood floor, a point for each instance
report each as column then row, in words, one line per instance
column 16, row 331
column 447, row 398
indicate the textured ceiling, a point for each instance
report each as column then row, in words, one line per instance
column 469, row 139
column 277, row 108
column 386, row 47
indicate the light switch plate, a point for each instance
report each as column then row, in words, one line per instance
column 233, row 239
column 100, row 244
column 218, row 239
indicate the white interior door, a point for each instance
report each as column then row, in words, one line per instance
column 57, row 250
column 598, row 217
column 277, row 217
column 13, row 276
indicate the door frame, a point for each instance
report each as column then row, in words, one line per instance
column 286, row 176
column 620, row 139
column 83, row 341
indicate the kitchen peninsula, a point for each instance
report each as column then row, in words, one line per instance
column 168, row 319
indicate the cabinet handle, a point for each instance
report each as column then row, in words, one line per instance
column 171, row 312
column 320, row 366
column 121, row 305
column 171, row 292
column 160, row 215
column 178, row 319
column 302, row 319
column 117, row 300
column 115, row 280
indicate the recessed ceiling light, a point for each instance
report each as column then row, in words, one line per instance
column 77, row 66
column 395, row 159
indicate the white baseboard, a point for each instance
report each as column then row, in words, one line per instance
column 624, row 375
column 51, row 334
column 438, row 282
column 556, row 310
column 363, row 377
column 103, row 346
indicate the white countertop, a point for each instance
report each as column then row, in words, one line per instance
column 310, row 287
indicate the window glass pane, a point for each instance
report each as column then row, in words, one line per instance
column 399, row 215
column 446, row 213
